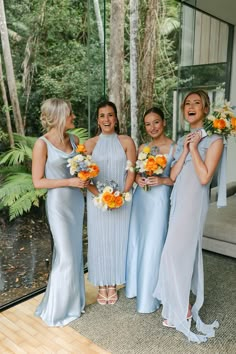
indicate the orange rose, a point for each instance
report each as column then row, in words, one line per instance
column 151, row 164
column 94, row 171
column 161, row 161
column 219, row 124
column 81, row 148
column 108, row 198
column 118, row 201
column 233, row 122
column 84, row 175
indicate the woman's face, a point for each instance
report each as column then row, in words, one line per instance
column 107, row 119
column 194, row 112
column 70, row 121
column 154, row 125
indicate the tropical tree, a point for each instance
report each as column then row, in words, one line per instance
column 6, row 106
column 134, row 70
column 116, row 59
column 10, row 71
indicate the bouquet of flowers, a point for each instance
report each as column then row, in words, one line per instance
column 109, row 196
column 150, row 163
column 82, row 165
column 221, row 121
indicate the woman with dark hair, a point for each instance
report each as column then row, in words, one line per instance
column 108, row 230
column 149, row 219
column 181, row 269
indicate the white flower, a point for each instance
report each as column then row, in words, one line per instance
column 142, row 156
column 104, row 207
column 211, row 117
column 127, row 196
column 79, row 158
column 140, row 165
column 129, row 166
column 108, row 189
column 159, row 170
column 117, row 193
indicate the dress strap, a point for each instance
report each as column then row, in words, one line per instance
column 72, row 141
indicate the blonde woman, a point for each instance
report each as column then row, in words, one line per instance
column 181, row 267
column 64, row 299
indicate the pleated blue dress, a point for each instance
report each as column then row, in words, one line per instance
column 108, row 230
column 64, row 299
column 147, row 234
column 181, row 267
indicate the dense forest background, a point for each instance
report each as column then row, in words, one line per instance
column 56, row 51
column 82, row 51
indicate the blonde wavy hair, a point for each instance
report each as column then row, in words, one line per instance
column 54, row 112
column 204, row 99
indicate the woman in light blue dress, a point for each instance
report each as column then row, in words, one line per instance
column 64, row 299
column 181, row 267
column 108, row 230
column 149, row 220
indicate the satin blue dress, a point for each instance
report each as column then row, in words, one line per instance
column 64, row 299
column 147, row 234
column 108, row 230
column 181, row 267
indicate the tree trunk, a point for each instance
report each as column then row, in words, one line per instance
column 134, row 70
column 5, row 101
column 116, row 60
column 99, row 22
column 101, row 32
column 148, row 55
column 9, row 71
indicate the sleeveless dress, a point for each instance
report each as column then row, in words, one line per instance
column 181, row 267
column 147, row 234
column 64, row 299
column 108, row 230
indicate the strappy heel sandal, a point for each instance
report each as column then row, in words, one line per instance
column 112, row 299
column 102, row 299
column 189, row 316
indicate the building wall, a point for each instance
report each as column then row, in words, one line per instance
column 231, row 165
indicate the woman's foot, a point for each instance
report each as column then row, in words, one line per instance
column 102, row 295
column 189, row 314
column 167, row 324
column 112, row 296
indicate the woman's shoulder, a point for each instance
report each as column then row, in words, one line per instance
column 209, row 139
column 125, row 140
column 124, row 137
column 91, row 143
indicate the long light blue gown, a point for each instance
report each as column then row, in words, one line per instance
column 64, row 299
column 181, row 267
column 108, row 230
column 147, row 234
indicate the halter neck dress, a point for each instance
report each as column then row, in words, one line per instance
column 108, row 230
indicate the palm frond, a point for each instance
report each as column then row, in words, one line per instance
column 26, row 140
column 17, row 155
column 169, row 25
column 81, row 133
column 15, row 186
column 6, row 171
column 25, row 202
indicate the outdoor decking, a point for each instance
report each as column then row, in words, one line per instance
column 22, row 332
